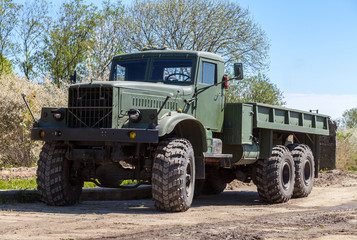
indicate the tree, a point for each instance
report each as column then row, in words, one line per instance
column 8, row 21
column 216, row 26
column 67, row 40
column 349, row 118
column 33, row 18
column 6, row 66
column 107, row 41
column 255, row 89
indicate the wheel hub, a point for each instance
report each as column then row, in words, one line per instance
column 188, row 178
column 307, row 172
column 286, row 175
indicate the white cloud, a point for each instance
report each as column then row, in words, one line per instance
column 329, row 104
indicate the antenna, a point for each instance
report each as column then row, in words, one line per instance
column 28, row 107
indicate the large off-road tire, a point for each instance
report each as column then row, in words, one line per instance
column 173, row 175
column 55, row 185
column 304, row 169
column 275, row 176
column 213, row 185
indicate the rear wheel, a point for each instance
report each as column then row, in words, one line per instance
column 304, row 169
column 275, row 176
column 56, row 184
column 173, row 175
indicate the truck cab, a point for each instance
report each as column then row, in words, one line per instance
column 183, row 74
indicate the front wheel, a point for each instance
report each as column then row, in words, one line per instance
column 173, row 175
column 55, row 182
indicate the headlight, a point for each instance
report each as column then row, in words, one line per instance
column 58, row 114
column 134, row 115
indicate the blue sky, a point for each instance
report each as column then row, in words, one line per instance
column 313, row 51
column 312, row 43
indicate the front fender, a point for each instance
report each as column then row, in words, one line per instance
column 188, row 127
column 169, row 121
column 185, row 126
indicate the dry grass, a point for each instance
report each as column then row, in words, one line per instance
column 347, row 149
column 16, row 147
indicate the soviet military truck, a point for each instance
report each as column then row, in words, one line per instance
column 161, row 119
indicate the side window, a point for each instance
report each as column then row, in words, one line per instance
column 120, row 76
column 208, row 73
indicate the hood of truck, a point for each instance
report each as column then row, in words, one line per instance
column 109, row 102
column 151, row 88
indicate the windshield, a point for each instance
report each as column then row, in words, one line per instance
column 171, row 70
column 160, row 70
column 133, row 70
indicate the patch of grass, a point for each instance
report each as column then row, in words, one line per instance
column 89, row 185
column 353, row 168
column 324, row 170
column 22, row 184
column 18, row 184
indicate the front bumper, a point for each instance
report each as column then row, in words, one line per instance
column 95, row 135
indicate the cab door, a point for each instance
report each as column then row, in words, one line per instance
column 210, row 102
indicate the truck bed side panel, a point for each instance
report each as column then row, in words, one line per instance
column 289, row 120
column 241, row 118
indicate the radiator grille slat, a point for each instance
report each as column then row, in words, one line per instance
column 143, row 102
column 90, row 107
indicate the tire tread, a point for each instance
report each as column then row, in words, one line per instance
column 52, row 186
column 167, row 175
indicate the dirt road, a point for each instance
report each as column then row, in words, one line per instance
column 330, row 212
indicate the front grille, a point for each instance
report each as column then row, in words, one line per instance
column 90, row 107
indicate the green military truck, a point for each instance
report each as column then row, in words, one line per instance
column 162, row 119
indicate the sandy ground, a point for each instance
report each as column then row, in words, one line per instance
column 17, row 173
column 330, row 212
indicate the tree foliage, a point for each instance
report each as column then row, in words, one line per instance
column 107, row 41
column 83, row 37
column 33, row 17
column 7, row 67
column 349, row 118
column 217, row 26
column 68, row 39
column 255, row 89
column 8, row 21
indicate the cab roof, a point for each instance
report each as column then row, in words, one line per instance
column 168, row 53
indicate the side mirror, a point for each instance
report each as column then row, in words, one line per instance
column 73, row 77
column 238, row 71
